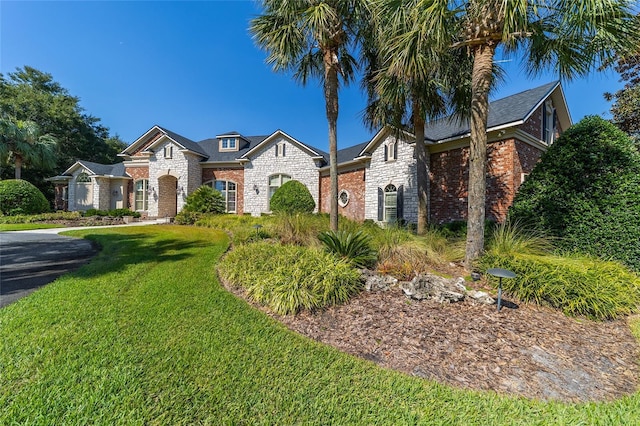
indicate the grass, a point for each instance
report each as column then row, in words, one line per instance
column 144, row 334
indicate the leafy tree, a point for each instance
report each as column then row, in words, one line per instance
column 409, row 81
column 292, row 197
column 586, row 191
column 314, row 39
column 32, row 95
column 626, row 106
column 22, row 143
column 569, row 37
column 205, row 200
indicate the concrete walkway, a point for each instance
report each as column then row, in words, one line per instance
column 31, row 259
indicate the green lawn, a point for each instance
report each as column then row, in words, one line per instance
column 145, row 335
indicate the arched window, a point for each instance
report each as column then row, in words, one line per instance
column 83, row 177
column 276, row 181
column 390, row 204
column 228, row 189
column 142, row 195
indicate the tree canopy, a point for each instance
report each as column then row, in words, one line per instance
column 21, row 142
column 626, row 106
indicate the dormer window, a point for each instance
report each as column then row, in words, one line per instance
column 168, row 151
column 391, row 151
column 229, row 144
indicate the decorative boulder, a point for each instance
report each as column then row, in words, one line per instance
column 376, row 282
column 480, row 297
column 429, row 286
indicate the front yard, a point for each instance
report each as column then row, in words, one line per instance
column 145, row 334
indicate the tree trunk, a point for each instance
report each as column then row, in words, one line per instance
column 422, row 169
column 18, row 166
column 331, row 100
column 480, row 84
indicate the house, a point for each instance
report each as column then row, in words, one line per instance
column 376, row 179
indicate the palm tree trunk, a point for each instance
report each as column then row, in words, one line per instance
column 331, row 100
column 422, row 169
column 18, row 166
column 480, row 84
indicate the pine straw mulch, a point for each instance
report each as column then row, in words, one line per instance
column 523, row 350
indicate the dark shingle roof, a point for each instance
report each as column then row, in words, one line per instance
column 502, row 111
column 348, row 154
column 185, row 142
column 104, row 169
column 212, row 147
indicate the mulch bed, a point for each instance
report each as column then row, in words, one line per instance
column 523, row 350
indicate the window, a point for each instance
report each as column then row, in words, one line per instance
column 343, row 198
column 65, row 193
column 168, row 151
column 280, row 149
column 276, row 182
column 229, row 144
column 390, row 204
column 83, row 178
column 228, row 191
column 549, row 119
column 391, row 151
column 142, row 195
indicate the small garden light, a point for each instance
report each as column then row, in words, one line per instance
column 500, row 273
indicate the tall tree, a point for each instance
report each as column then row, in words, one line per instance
column 315, row 39
column 626, row 106
column 22, row 143
column 409, row 81
column 572, row 38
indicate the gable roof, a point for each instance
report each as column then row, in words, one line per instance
column 181, row 141
column 313, row 152
column 97, row 169
column 512, row 110
column 212, row 147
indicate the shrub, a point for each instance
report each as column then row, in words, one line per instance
column 205, row 200
column 21, row 197
column 186, row 217
column 291, row 198
column 299, row 228
column 586, row 191
column 123, row 212
column 42, row 217
column 578, row 285
column 290, row 278
column 353, row 247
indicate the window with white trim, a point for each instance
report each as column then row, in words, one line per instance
column 228, row 189
column 83, row 177
column 343, row 198
column 168, row 151
column 391, row 151
column 228, row 144
column 390, row 204
column 280, row 149
column 141, row 195
column 548, row 122
column 276, row 181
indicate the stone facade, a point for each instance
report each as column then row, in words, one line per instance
column 353, row 182
column 400, row 172
column 264, row 163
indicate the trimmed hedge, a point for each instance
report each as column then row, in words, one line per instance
column 291, row 198
column 19, row 197
column 586, row 191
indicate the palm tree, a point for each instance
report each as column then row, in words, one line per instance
column 23, row 143
column 408, row 80
column 313, row 39
column 571, row 38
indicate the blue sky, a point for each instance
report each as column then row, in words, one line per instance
column 193, row 68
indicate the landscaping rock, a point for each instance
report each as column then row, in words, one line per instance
column 480, row 297
column 429, row 286
column 377, row 282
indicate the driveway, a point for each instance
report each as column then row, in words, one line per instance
column 31, row 259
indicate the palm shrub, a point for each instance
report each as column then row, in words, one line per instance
column 353, row 247
column 579, row 285
column 289, row 278
column 292, row 198
column 19, row 197
column 586, row 191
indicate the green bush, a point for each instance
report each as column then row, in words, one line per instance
column 19, row 197
column 205, row 200
column 578, row 285
column 42, row 217
column 290, row 278
column 291, row 198
column 586, row 191
column 112, row 212
column 353, row 247
column 186, row 218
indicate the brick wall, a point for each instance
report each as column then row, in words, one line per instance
column 136, row 173
column 533, row 125
column 233, row 174
column 145, row 145
column 351, row 181
column 507, row 160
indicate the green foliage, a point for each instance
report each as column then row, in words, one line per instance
column 205, row 200
column 112, row 213
column 586, row 192
column 353, row 247
column 19, row 197
column 291, row 198
column 290, row 278
column 626, row 106
column 578, row 285
column 42, row 217
column 508, row 238
column 299, row 228
column 187, row 218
